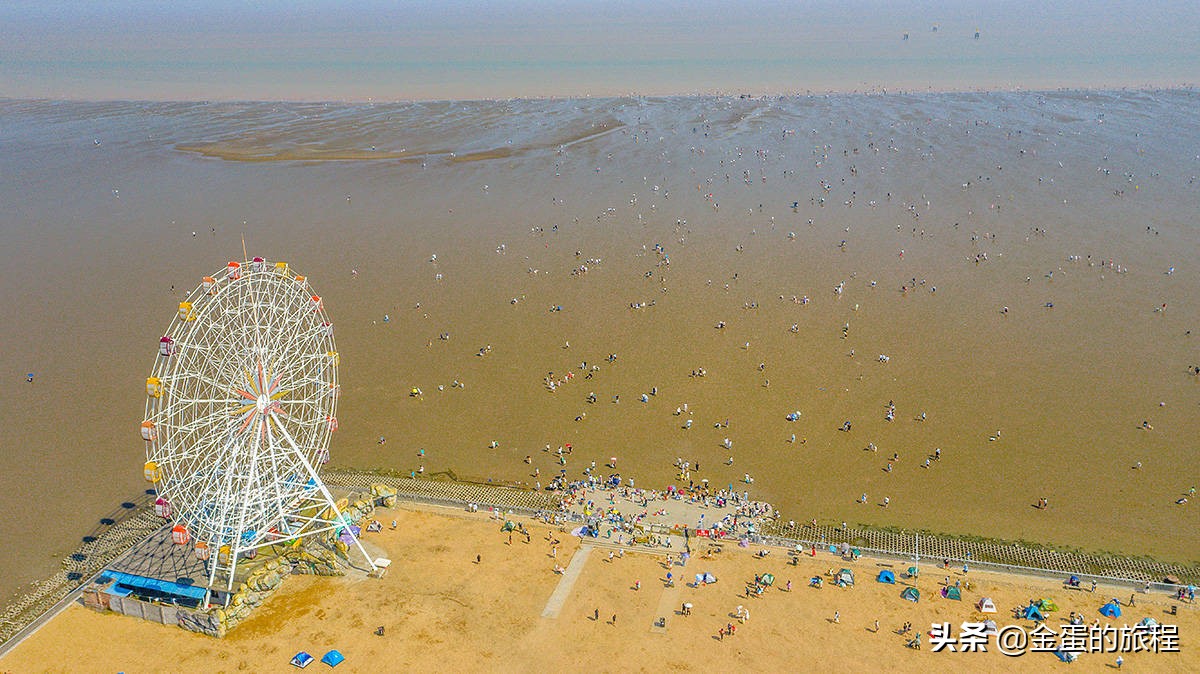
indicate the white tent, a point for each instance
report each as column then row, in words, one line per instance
column 986, row 605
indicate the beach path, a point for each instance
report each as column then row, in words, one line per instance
column 666, row 607
column 569, row 576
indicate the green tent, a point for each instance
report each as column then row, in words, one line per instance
column 952, row 593
column 845, row 577
column 767, row 579
column 1047, row 605
column 912, row 572
column 911, row 594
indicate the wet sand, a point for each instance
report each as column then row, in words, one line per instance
column 99, row 226
column 439, row 608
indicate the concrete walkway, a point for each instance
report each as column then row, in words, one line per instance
column 569, row 576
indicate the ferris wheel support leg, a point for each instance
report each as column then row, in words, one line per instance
column 337, row 512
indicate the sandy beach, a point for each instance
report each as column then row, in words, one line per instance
column 440, row 608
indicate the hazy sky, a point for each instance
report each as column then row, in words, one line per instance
column 56, row 48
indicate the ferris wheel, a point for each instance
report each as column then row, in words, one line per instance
column 240, row 406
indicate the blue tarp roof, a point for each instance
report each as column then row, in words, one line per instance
column 164, row 586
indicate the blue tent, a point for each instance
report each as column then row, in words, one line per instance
column 886, row 576
column 1032, row 612
column 333, row 658
column 1111, row 609
column 302, row 659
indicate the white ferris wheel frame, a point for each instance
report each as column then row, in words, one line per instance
column 241, row 411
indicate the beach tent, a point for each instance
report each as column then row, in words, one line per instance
column 302, row 660
column 767, row 579
column 845, row 577
column 1110, row 610
column 333, row 658
column 815, row 581
column 990, row 627
column 704, row 578
column 911, row 594
column 952, row 593
column 913, row 572
column 1047, row 605
column 1032, row 612
column 886, row 576
column 1149, row 623
column 986, row 605
column 1066, row 656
